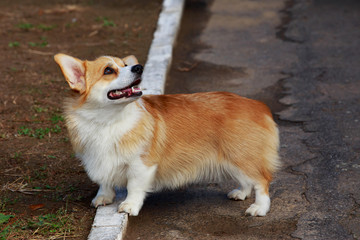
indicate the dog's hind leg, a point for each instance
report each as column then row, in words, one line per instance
column 241, row 193
column 262, row 200
column 246, row 184
column 261, row 185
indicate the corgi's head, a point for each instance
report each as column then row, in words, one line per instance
column 106, row 80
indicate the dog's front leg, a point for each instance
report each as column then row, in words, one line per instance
column 105, row 195
column 140, row 179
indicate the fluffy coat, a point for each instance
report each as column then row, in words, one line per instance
column 154, row 142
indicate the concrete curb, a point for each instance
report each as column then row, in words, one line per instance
column 108, row 223
column 160, row 53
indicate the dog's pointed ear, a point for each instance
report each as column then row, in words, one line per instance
column 73, row 70
column 130, row 60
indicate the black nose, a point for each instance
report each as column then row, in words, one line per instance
column 137, row 69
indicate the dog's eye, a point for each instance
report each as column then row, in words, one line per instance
column 125, row 65
column 108, row 71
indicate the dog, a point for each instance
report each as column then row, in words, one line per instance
column 153, row 142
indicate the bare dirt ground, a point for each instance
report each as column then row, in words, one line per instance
column 44, row 191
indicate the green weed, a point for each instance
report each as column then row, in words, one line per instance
column 16, row 155
column 106, row 22
column 40, row 175
column 70, row 25
column 72, row 188
column 39, row 133
column 51, row 223
column 50, row 187
column 5, row 202
column 56, row 129
column 56, row 118
column 24, row 131
column 14, row 44
column 4, row 219
column 42, row 43
column 28, row 26
column 32, row 44
column 39, row 109
column 25, row 26
column 45, row 27
column 54, row 225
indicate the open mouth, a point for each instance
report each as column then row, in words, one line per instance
column 130, row 91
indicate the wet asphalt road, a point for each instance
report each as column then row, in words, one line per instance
column 302, row 59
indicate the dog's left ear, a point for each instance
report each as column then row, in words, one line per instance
column 73, row 70
column 130, row 60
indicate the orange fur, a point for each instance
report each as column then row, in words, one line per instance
column 203, row 125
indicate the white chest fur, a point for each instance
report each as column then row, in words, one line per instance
column 96, row 136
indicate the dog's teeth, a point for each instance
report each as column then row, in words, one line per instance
column 118, row 92
column 136, row 89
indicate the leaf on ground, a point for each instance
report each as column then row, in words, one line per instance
column 36, row 206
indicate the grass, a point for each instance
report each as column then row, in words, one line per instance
column 39, row 133
column 4, row 219
column 42, row 43
column 70, row 25
column 39, row 109
column 29, row 26
column 56, row 118
column 46, row 27
column 40, row 174
column 47, row 223
column 14, row 44
column 25, row 26
column 53, row 225
column 59, row 224
column 106, row 22
column 42, row 132
column 5, row 202
column 16, row 155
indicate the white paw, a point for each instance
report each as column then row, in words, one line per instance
column 131, row 208
column 102, row 200
column 238, row 194
column 257, row 210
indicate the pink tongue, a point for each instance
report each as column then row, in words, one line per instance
column 127, row 91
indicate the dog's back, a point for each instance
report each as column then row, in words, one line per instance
column 212, row 135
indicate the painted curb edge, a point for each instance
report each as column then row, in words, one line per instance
column 108, row 223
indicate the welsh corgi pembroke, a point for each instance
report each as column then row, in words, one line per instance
column 153, row 142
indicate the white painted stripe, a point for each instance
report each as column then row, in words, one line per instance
column 160, row 53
